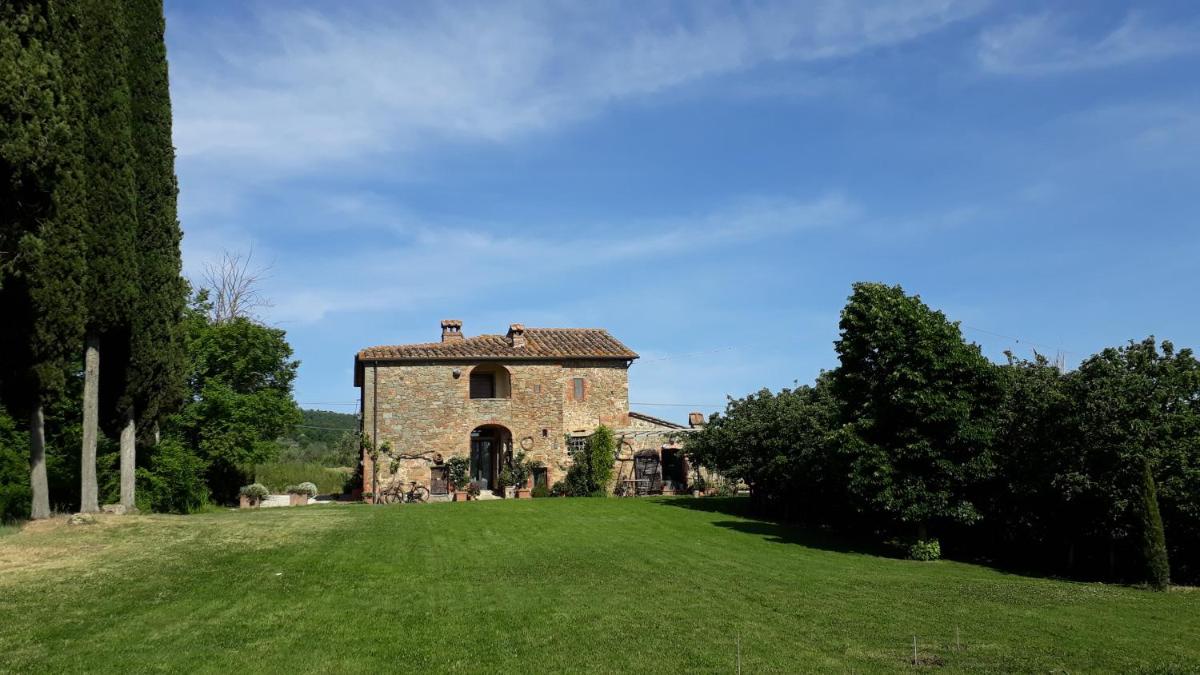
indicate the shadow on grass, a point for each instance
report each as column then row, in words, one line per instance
column 840, row 542
column 777, row 532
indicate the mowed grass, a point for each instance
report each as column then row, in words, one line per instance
column 602, row 585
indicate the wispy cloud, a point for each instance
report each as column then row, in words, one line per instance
column 409, row 270
column 301, row 91
column 1045, row 44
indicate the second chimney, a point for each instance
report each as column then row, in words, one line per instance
column 696, row 420
column 516, row 336
column 451, row 330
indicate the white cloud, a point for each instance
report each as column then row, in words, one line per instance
column 1043, row 44
column 308, row 91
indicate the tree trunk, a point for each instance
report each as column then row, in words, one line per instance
column 37, row 464
column 88, row 491
column 128, row 461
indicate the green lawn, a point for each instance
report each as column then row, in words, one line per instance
column 553, row 584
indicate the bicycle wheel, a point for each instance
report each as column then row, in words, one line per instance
column 419, row 494
column 387, row 497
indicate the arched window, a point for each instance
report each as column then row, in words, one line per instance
column 490, row 380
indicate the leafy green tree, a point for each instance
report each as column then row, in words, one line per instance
column 917, row 405
column 1023, row 504
column 110, row 284
column 240, row 399
column 1132, row 405
column 779, row 445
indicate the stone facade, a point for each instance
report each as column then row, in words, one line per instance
column 424, row 408
column 547, row 386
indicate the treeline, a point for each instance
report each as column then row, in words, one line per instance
column 323, row 437
column 917, row 437
column 97, row 340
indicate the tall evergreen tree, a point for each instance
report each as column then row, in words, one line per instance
column 1154, row 540
column 41, row 214
column 111, row 280
column 155, row 378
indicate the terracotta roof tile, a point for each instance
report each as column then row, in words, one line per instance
column 540, row 343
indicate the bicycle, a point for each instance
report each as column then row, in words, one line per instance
column 415, row 494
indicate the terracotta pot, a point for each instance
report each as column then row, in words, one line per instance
column 297, row 499
column 462, row 496
column 524, row 493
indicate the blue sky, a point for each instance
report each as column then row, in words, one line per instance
column 704, row 180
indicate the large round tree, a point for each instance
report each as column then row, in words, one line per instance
column 918, row 408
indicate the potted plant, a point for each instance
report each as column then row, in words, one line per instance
column 300, row 494
column 507, row 482
column 252, row 495
column 473, row 489
column 524, row 489
column 457, row 467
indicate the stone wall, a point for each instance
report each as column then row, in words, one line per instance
column 422, row 409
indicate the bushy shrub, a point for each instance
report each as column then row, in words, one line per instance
column 925, row 549
column 726, row 487
column 474, row 488
column 457, row 468
column 305, row 488
column 15, row 496
column 278, row 476
column 592, row 467
column 559, row 489
column 173, row 482
column 255, row 491
column 541, row 491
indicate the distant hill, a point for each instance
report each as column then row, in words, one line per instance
column 324, row 436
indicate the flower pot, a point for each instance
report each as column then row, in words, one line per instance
column 510, row 493
column 697, row 493
column 295, row 499
column 524, row 493
column 461, row 496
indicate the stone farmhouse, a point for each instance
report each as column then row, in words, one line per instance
column 538, row 390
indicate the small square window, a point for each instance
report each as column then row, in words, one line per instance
column 537, row 388
column 580, row 389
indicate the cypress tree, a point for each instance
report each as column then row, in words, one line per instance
column 155, row 380
column 1154, row 540
column 110, row 284
column 41, row 215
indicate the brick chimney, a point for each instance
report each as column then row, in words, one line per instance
column 695, row 420
column 451, row 330
column 516, row 336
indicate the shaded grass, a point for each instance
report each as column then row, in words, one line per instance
column 543, row 585
column 277, row 476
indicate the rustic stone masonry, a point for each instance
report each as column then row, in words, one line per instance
column 550, row 384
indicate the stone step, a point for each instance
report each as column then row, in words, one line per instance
column 487, row 494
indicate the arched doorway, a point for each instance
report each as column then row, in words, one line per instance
column 491, row 446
